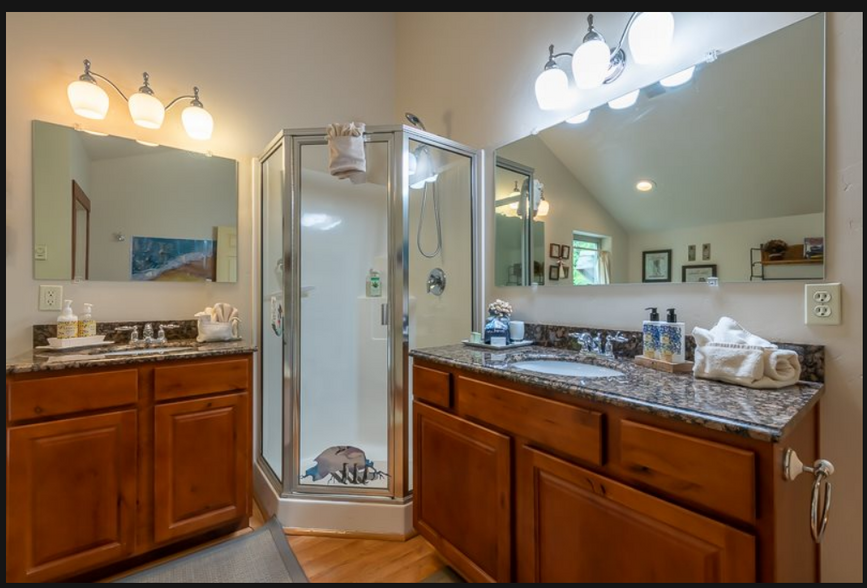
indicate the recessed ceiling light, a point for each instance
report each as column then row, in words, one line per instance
column 624, row 101
column 679, row 78
column 579, row 118
column 645, row 185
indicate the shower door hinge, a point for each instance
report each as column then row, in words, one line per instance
column 384, row 315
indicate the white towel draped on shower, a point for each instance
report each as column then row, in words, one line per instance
column 730, row 353
column 346, row 151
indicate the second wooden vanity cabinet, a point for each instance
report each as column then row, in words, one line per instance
column 516, row 484
column 108, row 464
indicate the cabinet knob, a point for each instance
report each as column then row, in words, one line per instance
column 38, row 410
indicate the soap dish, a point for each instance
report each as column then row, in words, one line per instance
column 55, row 344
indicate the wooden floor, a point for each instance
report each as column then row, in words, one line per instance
column 326, row 559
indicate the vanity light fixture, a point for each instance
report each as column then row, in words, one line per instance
column 679, row 78
column 594, row 63
column 624, row 101
column 645, row 185
column 579, row 118
column 89, row 100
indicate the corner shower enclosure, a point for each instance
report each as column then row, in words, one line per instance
column 334, row 435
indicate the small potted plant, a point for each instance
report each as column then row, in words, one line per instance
column 497, row 325
column 775, row 248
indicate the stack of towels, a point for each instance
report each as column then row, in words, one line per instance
column 730, row 353
column 346, row 157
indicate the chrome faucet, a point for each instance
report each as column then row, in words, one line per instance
column 587, row 341
column 148, row 333
column 133, row 333
column 599, row 344
column 609, row 343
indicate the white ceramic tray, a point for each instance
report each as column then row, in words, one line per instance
column 512, row 345
column 55, row 344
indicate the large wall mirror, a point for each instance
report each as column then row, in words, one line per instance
column 109, row 208
column 722, row 176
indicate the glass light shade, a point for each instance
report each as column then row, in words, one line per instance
column 624, row 101
column 411, row 163
column 579, row 118
column 679, row 78
column 552, row 89
column 650, row 36
column 543, row 209
column 146, row 110
column 590, row 64
column 198, row 122
column 87, row 99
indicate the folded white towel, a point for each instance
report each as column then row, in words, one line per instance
column 730, row 353
column 346, row 158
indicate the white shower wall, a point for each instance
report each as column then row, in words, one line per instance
column 344, row 373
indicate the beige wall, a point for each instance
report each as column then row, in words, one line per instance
column 258, row 73
column 470, row 76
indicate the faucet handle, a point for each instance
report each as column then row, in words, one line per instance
column 132, row 330
column 619, row 337
column 161, row 334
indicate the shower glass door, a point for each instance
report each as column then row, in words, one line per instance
column 343, row 402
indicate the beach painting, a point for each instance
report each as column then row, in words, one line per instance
column 156, row 259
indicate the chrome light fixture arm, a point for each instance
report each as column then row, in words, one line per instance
column 89, row 74
column 194, row 99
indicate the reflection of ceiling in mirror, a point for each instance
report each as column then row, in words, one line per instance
column 743, row 140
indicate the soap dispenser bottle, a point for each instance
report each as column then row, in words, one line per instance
column 67, row 323
column 86, row 324
column 672, row 339
column 651, row 334
column 374, row 284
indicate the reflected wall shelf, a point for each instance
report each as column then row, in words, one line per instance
column 794, row 256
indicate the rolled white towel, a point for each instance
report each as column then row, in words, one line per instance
column 346, row 157
column 747, row 365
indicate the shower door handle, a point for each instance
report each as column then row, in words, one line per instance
column 384, row 314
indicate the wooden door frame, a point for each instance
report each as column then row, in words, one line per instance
column 79, row 197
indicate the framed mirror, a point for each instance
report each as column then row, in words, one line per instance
column 109, row 208
column 723, row 170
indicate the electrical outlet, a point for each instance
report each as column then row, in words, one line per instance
column 822, row 304
column 50, row 297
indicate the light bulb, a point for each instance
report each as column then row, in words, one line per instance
column 645, row 185
column 552, row 89
column 87, row 99
column 679, row 78
column 543, row 209
column 579, row 118
column 624, row 101
column 590, row 64
column 146, row 110
column 198, row 122
column 650, row 36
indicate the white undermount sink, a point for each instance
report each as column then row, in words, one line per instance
column 559, row 367
column 146, row 351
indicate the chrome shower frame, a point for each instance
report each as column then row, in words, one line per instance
column 398, row 139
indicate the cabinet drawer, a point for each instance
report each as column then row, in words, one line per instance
column 703, row 472
column 563, row 427
column 56, row 396
column 432, row 386
column 198, row 379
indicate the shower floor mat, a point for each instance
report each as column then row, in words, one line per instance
column 263, row 556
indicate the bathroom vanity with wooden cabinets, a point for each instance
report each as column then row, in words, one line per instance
column 108, row 463
column 647, row 477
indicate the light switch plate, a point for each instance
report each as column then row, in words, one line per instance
column 50, row 297
column 40, row 253
column 823, row 304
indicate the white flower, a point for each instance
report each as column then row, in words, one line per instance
column 500, row 308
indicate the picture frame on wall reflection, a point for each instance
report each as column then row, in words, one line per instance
column 554, row 251
column 565, row 251
column 554, row 272
column 656, row 266
column 694, row 274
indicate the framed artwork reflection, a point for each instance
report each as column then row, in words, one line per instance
column 698, row 273
column 656, row 266
column 554, row 251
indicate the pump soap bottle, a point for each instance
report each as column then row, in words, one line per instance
column 67, row 323
column 374, row 284
column 651, row 335
column 86, row 324
column 672, row 338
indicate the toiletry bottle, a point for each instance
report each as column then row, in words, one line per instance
column 672, row 338
column 86, row 324
column 67, row 323
column 650, row 333
column 374, row 284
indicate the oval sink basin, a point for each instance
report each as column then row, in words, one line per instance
column 559, row 367
column 146, row 351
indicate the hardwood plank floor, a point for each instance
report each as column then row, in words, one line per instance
column 327, row 559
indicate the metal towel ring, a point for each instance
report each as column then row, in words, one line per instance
column 822, row 469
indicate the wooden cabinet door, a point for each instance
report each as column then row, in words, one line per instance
column 576, row 526
column 462, row 493
column 201, row 464
column 71, row 496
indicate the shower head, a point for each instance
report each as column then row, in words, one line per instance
column 415, row 121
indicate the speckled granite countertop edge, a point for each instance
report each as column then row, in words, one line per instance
column 572, row 387
column 34, row 361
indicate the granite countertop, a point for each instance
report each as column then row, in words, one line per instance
column 40, row 361
column 766, row 415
